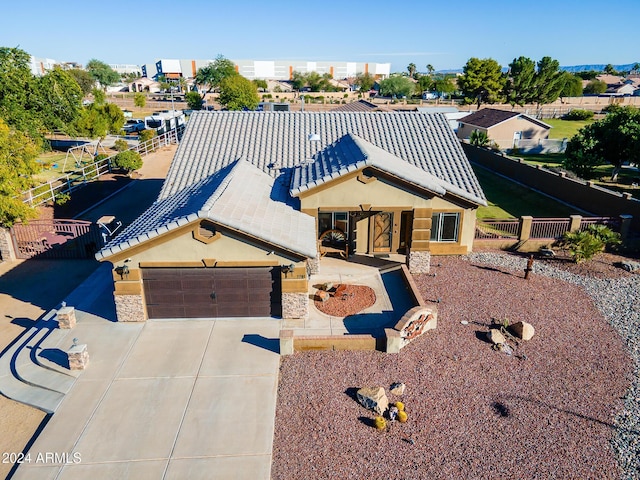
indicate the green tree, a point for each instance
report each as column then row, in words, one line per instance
column 261, row 84
column 365, row 82
column 238, row 93
column 549, row 81
column 595, row 87
column 17, row 166
column 608, row 69
column 298, row 81
column 430, row 69
column 99, row 97
column 615, row 139
column 411, row 68
column 84, row 79
column 211, row 76
column 444, row 86
column 396, row 86
column 572, row 86
column 424, row 83
column 17, row 91
column 139, row 99
column 102, row 73
column 97, row 120
column 482, row 81
column 520, row 87
column 194, row 100
column 128, row 160
column 59, row 100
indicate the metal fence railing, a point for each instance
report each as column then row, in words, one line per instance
column 549, row 228
column 492, row 228
column 538, row 228
column 65, row 184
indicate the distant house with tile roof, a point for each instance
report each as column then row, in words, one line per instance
column 244, row 212
column 360, row 106
column 503, row 127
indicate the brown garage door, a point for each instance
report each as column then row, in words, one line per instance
column 212, row 292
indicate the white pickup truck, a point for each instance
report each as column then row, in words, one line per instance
column 134, row 125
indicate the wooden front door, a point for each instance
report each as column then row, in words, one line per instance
column 382, row 227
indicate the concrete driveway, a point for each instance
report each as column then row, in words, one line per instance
column 171, row 400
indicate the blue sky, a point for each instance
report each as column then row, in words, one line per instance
column 444, row 34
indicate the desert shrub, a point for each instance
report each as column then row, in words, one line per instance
column 402, row 416
column 146, row 135
column 399, row 406
column 479, row 138
column 584, row 245
column 380, row 423
column 62, row 198
column 579, row 114
column 128, row 161
column 121, row 145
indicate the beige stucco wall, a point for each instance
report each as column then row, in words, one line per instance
column 185, row 248
column 351, row 193
column 503, row 133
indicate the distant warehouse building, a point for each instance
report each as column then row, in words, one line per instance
column 267, row 69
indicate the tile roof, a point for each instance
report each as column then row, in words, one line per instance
column 351, row 153
column 239, row 196
column 276, row 142
column 359, row 106
column 490, row 117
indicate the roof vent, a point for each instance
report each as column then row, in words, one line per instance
column 313, row 137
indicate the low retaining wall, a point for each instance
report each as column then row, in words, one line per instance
column 394, row 339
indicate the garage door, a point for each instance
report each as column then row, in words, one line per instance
column 212, row 292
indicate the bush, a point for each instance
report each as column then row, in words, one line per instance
column 402, row 416
column 399, row 406
column 579, row 114
column 121, row 145
column 128, row 161
column 585, row 244
column 62, row 198
column 380, row 423
column 146, row 135
column 479, row 138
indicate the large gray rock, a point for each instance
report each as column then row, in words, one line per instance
column 495, row 336
column 523, row 330
column 373, row 398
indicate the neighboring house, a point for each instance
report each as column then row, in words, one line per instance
column 360, row 106
column 144, row 84
column 626, row 88
column 235, row 230
column 503, row 127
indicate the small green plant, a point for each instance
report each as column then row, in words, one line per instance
column 579, row 114
column 479, row 138
column 402, row 416
column 128, row 161
column 62, row 198
column 121, row 145
column 146, row 135
column 585, row 244
column 380, row 423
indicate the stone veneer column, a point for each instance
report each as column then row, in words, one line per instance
column 130, row 308
column 7, row 252
column 419, row 262
column 313, row 265
column 295, row 305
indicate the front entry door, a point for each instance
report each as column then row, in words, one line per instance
column 382, row 224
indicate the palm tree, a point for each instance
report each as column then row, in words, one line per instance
column 412, row 69
column 430, row 69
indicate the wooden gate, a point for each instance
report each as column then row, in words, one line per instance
column 53, row 239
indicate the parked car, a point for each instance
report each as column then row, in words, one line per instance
column 134, row 126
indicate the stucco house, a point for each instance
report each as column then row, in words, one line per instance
column 503, row 127
column 242, row 218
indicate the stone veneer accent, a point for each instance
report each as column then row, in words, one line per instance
column 6, row 246
column 129, row 308
column 419, row 262
column 78, row 357
column 295, row 305
column 313, row 265
column 66, row 317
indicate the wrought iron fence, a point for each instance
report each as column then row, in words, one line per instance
column 540, row 229
column 492, row 228
column 549, row 228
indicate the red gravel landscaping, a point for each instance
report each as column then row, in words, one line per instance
column 545, row 412
column 350, row 300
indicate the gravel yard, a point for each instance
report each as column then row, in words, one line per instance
column 564, row 405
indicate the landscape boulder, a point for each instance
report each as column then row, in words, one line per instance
column 373, row 398
column 523, row 330
column 397, row 388
column 495, row 336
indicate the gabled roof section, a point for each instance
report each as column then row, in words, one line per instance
column 351, row 153
column 490, row 117
column 239, row 196
column 359, row 106
column 276, row 142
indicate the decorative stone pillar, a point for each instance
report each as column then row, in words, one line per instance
column 295, row 305
column 419, row 262
column 7, row 252
column 286, row 342
column 66, row 317
column 130, row 308
column 313, row 265
column 78, row 357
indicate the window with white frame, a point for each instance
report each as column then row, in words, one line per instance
column 445, row 227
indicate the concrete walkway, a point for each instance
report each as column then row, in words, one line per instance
column 163, row 399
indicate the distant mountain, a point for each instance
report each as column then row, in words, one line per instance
column 598, row 67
